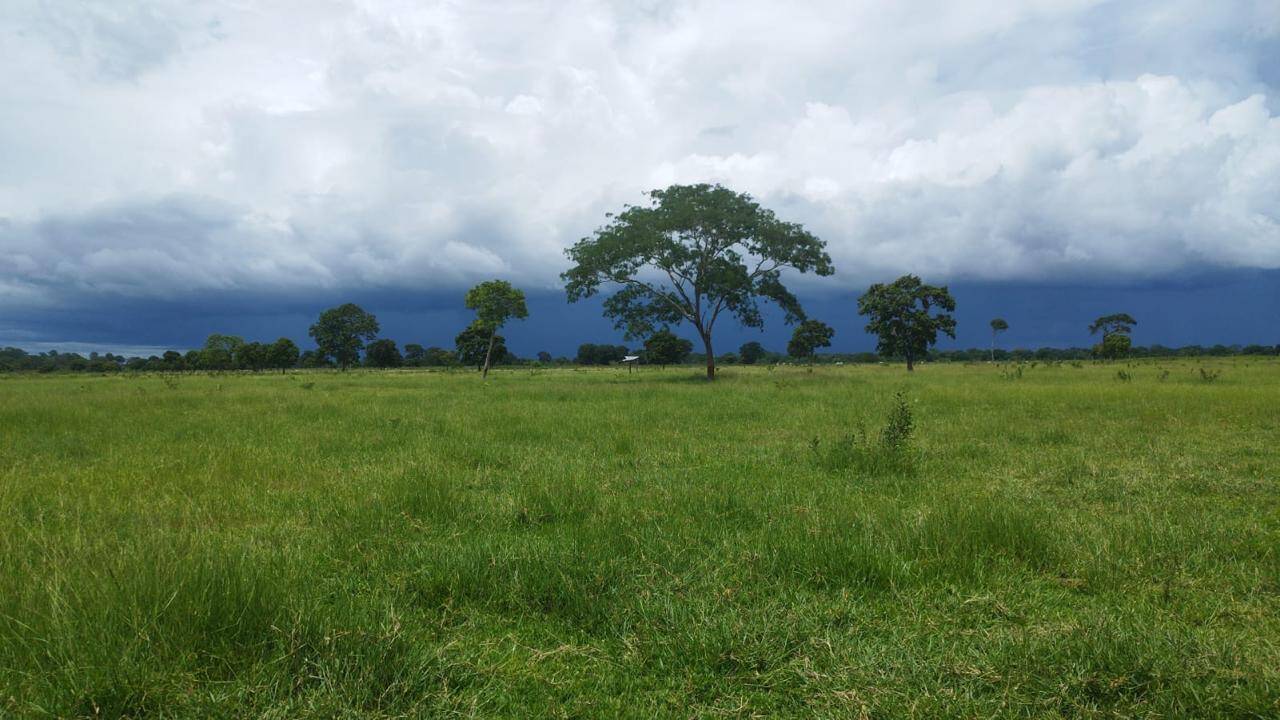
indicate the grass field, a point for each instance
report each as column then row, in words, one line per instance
column 596, row 544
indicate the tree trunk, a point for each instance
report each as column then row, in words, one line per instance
column 711, row 358
column 910, row 364
column 488, row 353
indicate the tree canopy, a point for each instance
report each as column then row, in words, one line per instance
column 693, row 253
column 342, row 332
column 666, row 348
column 902, row 314
column 383, row 353
column 808, row 337
column 1111, row 324
column 998, row 325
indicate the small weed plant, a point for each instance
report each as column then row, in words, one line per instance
column 1209, row 375
column 888, row 454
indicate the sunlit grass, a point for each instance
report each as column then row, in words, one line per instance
column 598, row 543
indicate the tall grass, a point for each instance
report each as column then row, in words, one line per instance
column 596, row 544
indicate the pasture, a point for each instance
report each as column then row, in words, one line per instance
column 1057, row 541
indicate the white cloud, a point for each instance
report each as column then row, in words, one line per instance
column 163, row 148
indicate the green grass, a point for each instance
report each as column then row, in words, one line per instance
column 595, row 544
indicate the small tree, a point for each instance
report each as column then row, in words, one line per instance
column 694, row 252
column 544, row 357
column 342, row 332
column 998, row 325
column 902, row 315
column 495, row 302
column 750, row 353
column 807, row 338
column 383, row 353
column 666, row 348
column 282, row 354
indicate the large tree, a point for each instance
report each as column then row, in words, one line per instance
column 903, row 315
column 998, row 326
column 807, row 338
column 341, row 333
column 495, row 302
column 692, row 253
column 666, row 348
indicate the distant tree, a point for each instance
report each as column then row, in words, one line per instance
column 314, row 359
column 1113, row 347
column 341, row 333
column 592, row 354
column 476, row 343
column 902, row 315
column 714, row 251
column 439, row 357
column 495, row 302
column 728, row 359
column 383, row 353
column 666, row 348
column 544, row 357
column 251, row 356
column 1111, row 324
column 750, row 353
column 414, row 355
column 282, row 354
column 190, row 360
column 219, row 352
column 998, row 325
column 808, row 337
column 172, row 360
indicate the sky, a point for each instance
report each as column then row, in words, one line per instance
column 170, row 169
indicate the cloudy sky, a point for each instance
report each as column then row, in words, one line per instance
column 166, row 166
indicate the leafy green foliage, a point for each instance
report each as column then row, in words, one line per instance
column 495, row 302
column 219, row 352
column 666, row 348
column 751, row 352
column 693, row 253
column 383, row 353
column 593, row 354
column 1113, row 347
column 903, row 315
column 476, row 343
column 342, row 332
column 808, row 337
column 1108, row 325
column 282, row 354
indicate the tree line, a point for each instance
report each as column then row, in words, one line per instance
column 691, row 256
